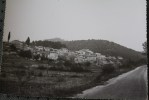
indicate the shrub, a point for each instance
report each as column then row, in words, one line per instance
column 3, row 75
column 50, row 60
column 87, row 64
column 40, row 74
column 129, row 63
column 13, row 47
column 78, row 68
column 52, row 68
column 108, row 68
column 98, row 78
column 36, row 57
column 31, row 73
column 43, row 58
column 60, row 79
column 21, row 66
column 75, row 76
column 68, row 63
column 41, row 67
column 26, row 54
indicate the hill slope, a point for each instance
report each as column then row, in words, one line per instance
column 55, row 40
column 104, row 47
column 51, row 44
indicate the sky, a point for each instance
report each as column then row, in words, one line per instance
column 120, row 21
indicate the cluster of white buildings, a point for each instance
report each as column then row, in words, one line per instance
column 81, row 56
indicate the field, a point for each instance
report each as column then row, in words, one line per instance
column 36, row 81
column 22, row 76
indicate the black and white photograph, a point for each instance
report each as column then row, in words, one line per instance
column 93, row 49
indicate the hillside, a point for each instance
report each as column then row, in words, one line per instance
column 104, row 47
column 99, row 46
column 45, row 43
column 55, row 40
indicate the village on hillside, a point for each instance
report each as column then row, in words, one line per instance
column 85, row 55
column 46, row 71
column 37, row 70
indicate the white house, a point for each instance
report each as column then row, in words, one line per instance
column 71, row 55
column 47, row 49
column 98, row 54
column 39, row 48
column 53, row 55
column 120, row 58
column 80, row 53
column 62, row 51
column 79, row 59
column 101, row 60
column 91, row 58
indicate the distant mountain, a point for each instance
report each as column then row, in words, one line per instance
column 55, row 40
column 104, row 47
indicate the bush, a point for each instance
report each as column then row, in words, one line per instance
column 13, row 47
column 108, row 68
column 31, row 73
column 78, row 68
column 20, row 73
column 26, row 54
column 40, row 74
column 36, row 57
column 3, row 75
column 73, row 68
column 128, row 63
column 60, row 79
column 87, row 64
column 50, row 60
column 142, row 61
column 68, row 63
column 41, row 67
column 21, row 66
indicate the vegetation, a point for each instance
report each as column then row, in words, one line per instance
column 36, row 57
column 63, row 77
column 55, row 45
column 8, row 36
column 69, row 66
column 26, row 54
column 129, row 64
column 13, row 47
column 108, row 69
column 104, row 47
column 27, row 41
column 20, row 78
column 145, row 46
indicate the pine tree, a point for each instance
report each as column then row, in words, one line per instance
column 8, row 37
column 28, row 41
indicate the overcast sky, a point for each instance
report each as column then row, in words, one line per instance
column 120, row 21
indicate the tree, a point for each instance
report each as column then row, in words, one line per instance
column 28, row 41
column 36, row 57
column 145, row 46
column 13, row 47
column 26, row 54
column 108, row 69
column 8, row 37
column 87, row 64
